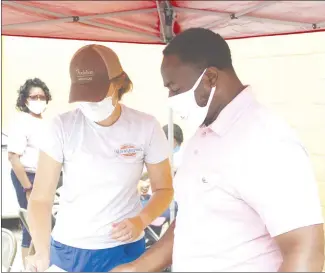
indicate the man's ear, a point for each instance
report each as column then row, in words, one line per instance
column 210, row 77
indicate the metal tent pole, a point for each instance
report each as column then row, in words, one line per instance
column 166, row 17
column 171, row 156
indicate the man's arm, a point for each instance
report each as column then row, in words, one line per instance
column 282, row 189
column 302, row 249
column 156, row 258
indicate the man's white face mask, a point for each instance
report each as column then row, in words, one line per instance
column 37, row 107
column 186, row 107
column 97, row 111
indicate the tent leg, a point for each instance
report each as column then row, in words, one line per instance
column 171, row 147
column 172, row 206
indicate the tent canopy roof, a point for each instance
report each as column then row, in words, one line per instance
column 155, row 22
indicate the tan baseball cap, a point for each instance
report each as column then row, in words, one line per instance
column 91, row 70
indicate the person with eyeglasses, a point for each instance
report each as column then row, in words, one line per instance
column 23, row 140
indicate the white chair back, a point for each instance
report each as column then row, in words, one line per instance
column 9, row 249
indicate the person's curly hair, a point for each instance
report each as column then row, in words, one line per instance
column 23, row 93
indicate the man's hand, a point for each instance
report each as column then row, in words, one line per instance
column 128, row 230
column 130, row 267
column 37, row 263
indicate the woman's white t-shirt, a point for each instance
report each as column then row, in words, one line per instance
column 101, row 169
column 23, row 139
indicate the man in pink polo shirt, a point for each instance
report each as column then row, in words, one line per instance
column 246, row 193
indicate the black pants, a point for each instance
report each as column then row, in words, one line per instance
column 22, row 201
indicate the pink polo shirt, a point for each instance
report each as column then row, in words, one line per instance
column 244, row 180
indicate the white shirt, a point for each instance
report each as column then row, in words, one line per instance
column 177, row 157
column 101, row 169
column 244, row 180
column 23, row 139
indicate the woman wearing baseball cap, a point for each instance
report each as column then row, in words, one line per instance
column 102, row 147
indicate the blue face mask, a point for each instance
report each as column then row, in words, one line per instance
column 176, row 149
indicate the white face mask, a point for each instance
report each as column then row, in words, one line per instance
column 186, row 106
column 37, row 107
column 97, row 111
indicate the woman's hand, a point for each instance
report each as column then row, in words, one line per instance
column 28, row 194
column 128, row 230
column 37, row 263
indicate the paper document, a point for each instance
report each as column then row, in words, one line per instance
column 54, row 268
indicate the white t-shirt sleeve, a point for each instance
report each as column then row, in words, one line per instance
column 17, row 136
column 52, row 139
column 282, row 188
column 156, row 148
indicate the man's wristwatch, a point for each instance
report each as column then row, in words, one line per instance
column 28, row 189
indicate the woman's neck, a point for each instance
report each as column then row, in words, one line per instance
column 112, row 118
column 39, row 116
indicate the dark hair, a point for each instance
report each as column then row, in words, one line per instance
column 201, row 47
column 23, row 93
column 178, row 133
column 125, row 84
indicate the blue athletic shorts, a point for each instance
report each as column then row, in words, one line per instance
column 74, row 259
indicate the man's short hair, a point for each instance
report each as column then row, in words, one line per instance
column 178, row 133
column 201, row 47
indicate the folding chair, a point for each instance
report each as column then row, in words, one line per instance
column 9, row 249
column 23, row 216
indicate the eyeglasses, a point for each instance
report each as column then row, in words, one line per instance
column 38, row 97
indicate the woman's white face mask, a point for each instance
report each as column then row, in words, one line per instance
column 186, row 107
column 37, row 107
column 98, row 111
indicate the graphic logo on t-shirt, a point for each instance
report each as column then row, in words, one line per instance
column 128, row 150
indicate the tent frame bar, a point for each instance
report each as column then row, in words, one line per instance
column 161, row 21
column 166, row 18
column 253, row 18
column 229, row 17
column 81, row 19
column 320, row 25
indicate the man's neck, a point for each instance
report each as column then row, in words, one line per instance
column 223, row 98
column 112, row 118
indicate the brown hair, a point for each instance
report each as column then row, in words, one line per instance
column 124, row 83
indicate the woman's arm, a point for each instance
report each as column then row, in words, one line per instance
column 162, row 195
column 17, row 143
column 19, row 170
column 162, row 191
column 156, row 154
column 41, row 202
